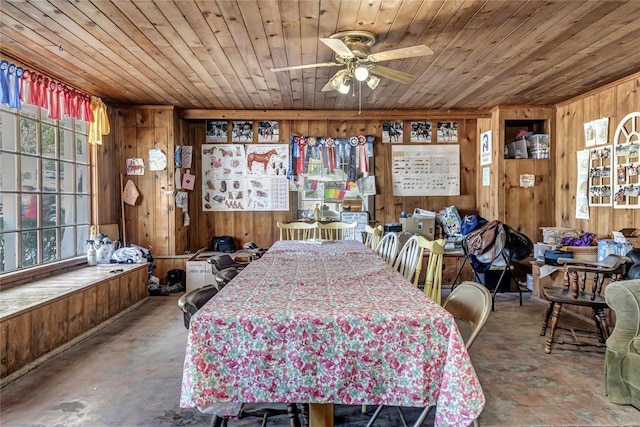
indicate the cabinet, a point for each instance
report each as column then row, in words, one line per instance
column 524, row 204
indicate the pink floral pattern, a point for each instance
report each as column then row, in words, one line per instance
column 328, row 322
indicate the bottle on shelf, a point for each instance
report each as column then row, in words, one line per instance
column 316, row 212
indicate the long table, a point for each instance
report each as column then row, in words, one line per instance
column 328, row 323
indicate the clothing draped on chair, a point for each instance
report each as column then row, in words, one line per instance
column 337, row 230
column 298, row 230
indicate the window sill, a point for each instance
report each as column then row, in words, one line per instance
column 15, row 278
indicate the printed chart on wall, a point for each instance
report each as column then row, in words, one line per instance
column 250, row 177
column 426, row 170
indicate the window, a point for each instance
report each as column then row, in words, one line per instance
column 44, row 188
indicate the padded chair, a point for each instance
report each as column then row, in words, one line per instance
column 221, row 413
column 337, row 230
column 298, row 230
column 578, row 274
column 408, row 258
column 373, row 236
column 388, row 248
column 469, row 302
column 433, row 273
column 193, row 300
column 225, row 276
column 622, row 358
column 221, row 262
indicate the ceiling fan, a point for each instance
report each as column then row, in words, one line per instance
column 353, row 51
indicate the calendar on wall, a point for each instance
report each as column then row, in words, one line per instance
column 626, row 166
column 426, row 170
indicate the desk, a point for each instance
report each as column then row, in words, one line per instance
column 328, row 323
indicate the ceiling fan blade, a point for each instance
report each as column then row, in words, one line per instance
column 300, row 67
column 328, row 87
column 390, row 73
column 405, row 52
column 338, row 47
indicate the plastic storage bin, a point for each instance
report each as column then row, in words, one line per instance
column 538, row 146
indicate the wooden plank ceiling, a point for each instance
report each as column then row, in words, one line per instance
column 218, row 54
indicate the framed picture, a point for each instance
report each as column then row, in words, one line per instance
column 420, row 131
column 242, row 131
column 268, row 131
column 447, row 132
column 392, row 132
column 217, row 131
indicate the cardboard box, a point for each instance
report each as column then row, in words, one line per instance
column 554, row 235
column 199, row 272
column 539, row 248
column 422, row 226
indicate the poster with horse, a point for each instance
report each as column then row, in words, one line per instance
column 242, row 131
column 272, row 159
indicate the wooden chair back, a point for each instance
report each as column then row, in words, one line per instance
column 433, row 272
column 373, row 236
column 388, row 248
column 471, row 303
column 408, row 258
column 298, row 230
column 337, row 230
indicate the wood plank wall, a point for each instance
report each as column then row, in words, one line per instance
column 260, row 227
column 614, row 101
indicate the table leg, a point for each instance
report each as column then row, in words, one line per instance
column 321, row 415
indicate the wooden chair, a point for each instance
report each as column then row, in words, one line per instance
column 470, row 302
column 578, row 274
column 388, row 248
column 433, row 272
column 408, row 258
column 337, row 230
column 373, row 236
column 298, row 230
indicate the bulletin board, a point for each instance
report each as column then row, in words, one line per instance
column 426, row 170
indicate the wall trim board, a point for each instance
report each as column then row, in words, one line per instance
column 198, row 114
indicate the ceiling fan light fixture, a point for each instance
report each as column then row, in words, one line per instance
column 361, row 73
column 345, row 85
column 372, row 82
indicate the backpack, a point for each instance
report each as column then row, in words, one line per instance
column 223, row 244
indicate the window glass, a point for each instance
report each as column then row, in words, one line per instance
column 66, row 145
column 44, row 188
column 67, row 181
column 50, row 248
column 29, row 173
column 67, row 246
column 8, row 171
column 28, row 136
column 8, row 252
column 8, row 212
column 49, row 175
column 29, row 248
column 8, row 133
column 81, row 148
column 48, row 138
column 82, row 179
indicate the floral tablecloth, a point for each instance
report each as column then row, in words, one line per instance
column 328, row 322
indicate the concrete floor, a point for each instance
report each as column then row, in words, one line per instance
column 129, row 374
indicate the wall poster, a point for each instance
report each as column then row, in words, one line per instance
column 426, row 170
column 392, row 132
column 237, row 177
